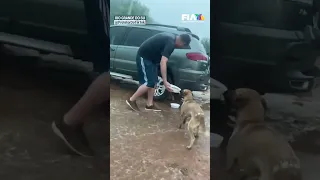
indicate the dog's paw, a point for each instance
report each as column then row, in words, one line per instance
column 188, row 147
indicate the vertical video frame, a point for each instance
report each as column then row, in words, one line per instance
column 54, row 89
column 264, row 90
column 159, row 92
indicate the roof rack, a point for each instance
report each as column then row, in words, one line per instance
column 170, row 26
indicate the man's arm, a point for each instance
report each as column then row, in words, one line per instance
column 166, row 53
column 163, row 68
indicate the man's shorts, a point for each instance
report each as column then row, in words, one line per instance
column 147, row 72
column 97, row 14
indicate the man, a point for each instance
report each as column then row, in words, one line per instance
column 69, row 128
column 154, row 51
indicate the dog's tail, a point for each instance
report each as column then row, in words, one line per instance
column 202, row 126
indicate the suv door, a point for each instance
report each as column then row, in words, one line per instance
column 125, row 62
column 117, row 34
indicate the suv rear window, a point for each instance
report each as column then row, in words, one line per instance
column 195, row 44
column 137, row 36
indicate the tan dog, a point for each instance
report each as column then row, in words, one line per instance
column 192, row 115
column 255, row 150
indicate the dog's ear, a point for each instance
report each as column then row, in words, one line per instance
column 185, row 92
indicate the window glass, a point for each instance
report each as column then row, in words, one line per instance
column 137, row 36
column 116, row 35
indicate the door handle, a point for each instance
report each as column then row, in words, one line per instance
column 112, row 49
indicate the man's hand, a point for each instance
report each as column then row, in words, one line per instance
column 163, row 68
column 167, row 85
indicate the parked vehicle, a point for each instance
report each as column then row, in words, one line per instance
column 269, row 46
column 188, row 68
column 266, row 45
column 47, row 26
column 37, row 25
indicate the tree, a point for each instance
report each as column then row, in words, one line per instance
column 121, row 7
column 206, row 44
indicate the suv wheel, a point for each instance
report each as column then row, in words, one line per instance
column 161, row 92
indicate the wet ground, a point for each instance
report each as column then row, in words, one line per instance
column 143, row 146
column 31, row 97
column 149, row 145
column 298, row 119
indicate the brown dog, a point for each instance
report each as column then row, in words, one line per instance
column 255, row 150
column 192, row 115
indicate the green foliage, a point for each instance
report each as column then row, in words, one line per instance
column 121, row 7
column 206, row 44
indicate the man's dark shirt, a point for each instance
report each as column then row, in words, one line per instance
column 155, row 47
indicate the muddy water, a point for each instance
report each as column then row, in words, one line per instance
column 149, row 145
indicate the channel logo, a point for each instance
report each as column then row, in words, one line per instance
column 192, row 17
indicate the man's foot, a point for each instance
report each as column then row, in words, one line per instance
column 133, row 105
column 152, row 108
column 73, row 137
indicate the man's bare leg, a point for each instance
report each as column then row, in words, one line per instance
column 150, row 96
column 131, row 102
column 150, row 104
column 97, row 93
column 140, row 91
column 69, row 129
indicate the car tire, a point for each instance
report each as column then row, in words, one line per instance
column 161, row 92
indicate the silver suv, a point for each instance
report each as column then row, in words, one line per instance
column 188, row 68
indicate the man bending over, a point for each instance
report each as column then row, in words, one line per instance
column 154, row 51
